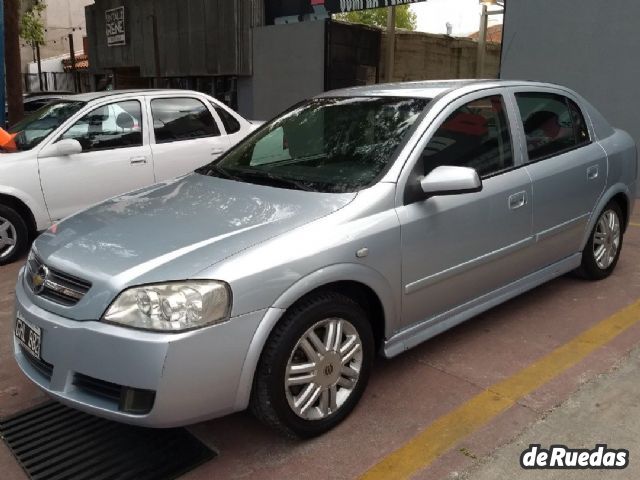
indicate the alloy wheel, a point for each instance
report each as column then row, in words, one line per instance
column 323, row 369
column 606, row 239
column 8, row 238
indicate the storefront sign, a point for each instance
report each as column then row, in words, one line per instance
column 285, row 8
column 341, row 6
column 116, row 30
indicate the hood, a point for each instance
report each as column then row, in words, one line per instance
column 174, row 230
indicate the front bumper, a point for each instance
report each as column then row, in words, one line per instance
column 194, row 375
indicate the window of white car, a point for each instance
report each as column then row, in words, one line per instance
column 176, row 119
column 36, row 127
column 231, row 125
column 117, row 125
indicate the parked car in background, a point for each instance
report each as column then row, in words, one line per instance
column 364, row 220
column 35, row 100
column 83, row 149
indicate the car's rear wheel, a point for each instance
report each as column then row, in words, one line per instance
column 602, row 251
column 314, row 367
column 14, row 235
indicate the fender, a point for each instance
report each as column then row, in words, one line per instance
column 333, row 273
column 604, row 199
column 38, row 208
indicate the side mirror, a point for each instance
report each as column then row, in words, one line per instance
column 63, row 148
column 446, row 180
column 68, row 146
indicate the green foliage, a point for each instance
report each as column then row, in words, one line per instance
column 32, row 25
column 377, row 17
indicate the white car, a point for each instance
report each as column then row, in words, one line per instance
column 83, row 149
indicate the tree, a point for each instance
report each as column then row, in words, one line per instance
column 12, row 60
column 32, row 26
column 377, row 17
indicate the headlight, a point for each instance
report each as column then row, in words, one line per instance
column 171, row 307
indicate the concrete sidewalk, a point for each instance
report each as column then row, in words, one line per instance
column 604, row 410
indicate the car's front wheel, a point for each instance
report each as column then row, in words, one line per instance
column 14, row 235
column 602, row 251
column 314, row 367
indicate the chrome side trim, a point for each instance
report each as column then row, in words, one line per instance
column 568, row 225
column 420, row 332
column 466, row 266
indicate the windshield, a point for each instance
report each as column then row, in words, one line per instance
column 36, row 127
column 325, row 145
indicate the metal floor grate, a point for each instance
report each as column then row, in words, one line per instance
column 54, row 442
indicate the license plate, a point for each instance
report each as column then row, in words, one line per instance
column 28, row 335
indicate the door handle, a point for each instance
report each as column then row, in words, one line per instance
column 593, row 172
column 217, row 151
column 517, row 200
column 138, row 160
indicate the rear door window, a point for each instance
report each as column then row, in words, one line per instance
column 176, row 119
column 552, row 124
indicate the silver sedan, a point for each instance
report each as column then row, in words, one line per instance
column 363, row 221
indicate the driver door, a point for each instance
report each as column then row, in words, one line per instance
column 459, row 247
column 116, row 158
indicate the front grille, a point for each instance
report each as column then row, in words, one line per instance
column 58, row 287
column 44, row 368
column 99, row 388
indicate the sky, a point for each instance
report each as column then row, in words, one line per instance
column 464, row 16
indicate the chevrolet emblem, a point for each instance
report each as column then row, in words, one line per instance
column 39, row 279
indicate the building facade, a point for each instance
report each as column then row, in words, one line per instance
column 588, row 45
column 199, row 44
column 60, row 18
column 257, row 55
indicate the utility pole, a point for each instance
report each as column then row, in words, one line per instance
column 38, row 59
column 13, row 69
column 3, row 110
column 482, row 42
column 391, row 42
column 72, row 57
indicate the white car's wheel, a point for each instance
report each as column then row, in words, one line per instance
column 14, row 235
column 315, row 366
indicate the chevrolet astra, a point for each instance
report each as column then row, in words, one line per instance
column 362, row 221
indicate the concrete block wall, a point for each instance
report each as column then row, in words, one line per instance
column 424, row 56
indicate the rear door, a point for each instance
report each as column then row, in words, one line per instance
column 115, row 158
column 186, row 135
column 568, row 170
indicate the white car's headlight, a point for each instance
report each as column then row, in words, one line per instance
column 173, row 307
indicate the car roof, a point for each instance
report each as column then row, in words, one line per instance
column 427, row 88
column 88, row 97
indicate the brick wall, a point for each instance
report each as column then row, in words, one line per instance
column 424, row 56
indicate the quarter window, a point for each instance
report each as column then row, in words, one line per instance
column 552, row 124
column 176, row 119
column 117, row 125
column 476, row 135
column 579, row 125
column 231, row 125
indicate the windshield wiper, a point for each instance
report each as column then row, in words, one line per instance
column 267, row 178
column 216, row 170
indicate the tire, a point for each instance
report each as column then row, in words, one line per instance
column 273, row 401
column 14, row 235
column 601, row 254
